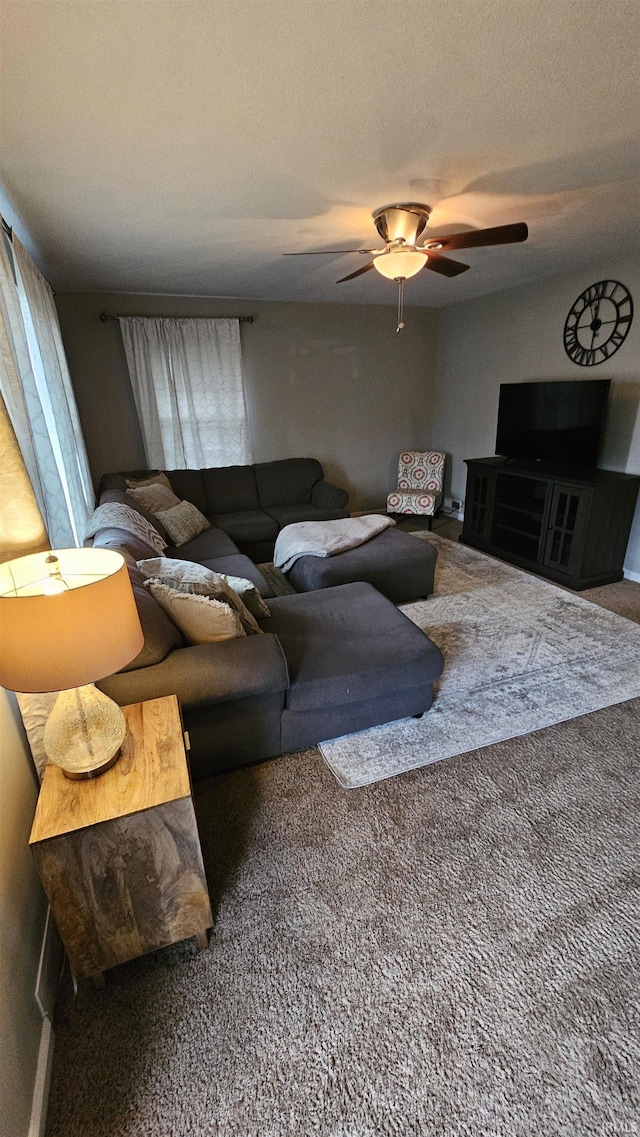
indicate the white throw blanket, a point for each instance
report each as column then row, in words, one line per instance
column 325, row 538
column 116, row 515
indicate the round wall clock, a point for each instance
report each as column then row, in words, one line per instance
column 598, row 322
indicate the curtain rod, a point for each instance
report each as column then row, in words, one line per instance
column 241, row 319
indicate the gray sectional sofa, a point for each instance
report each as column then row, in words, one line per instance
column 329, row 662
column 251, row 504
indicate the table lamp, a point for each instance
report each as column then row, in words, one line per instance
column 68, row 618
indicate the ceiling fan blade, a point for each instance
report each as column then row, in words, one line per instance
column 445, row 265
column 497, row 235
column 358, row 272
column 331, row 252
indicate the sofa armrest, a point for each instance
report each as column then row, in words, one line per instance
column 326, row 496
column 206, row 673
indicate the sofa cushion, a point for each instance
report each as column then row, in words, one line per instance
column 249, row 594
column 187, row 485
column 348, row 644
column 118, row 481
column 288, row 481
column 183, row 522
column 290, row 514
column 122, row 497
column 244, row 577
column 251, row 525
column 211, row 544
column 326, row 496
column 153, row 496
column 111, row 514
column 161, row 636
column 205, row 674
column 152, row 479
column 240, row 565
column 260, row 552
column 229, row 489
column 125, row 542
column 200, row 619
column 188, row 576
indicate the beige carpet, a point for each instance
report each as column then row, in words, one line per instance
column 453, row 953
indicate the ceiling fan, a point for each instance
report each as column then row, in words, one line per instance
column 400, row 226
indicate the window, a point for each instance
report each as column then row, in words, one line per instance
column 187, row 382
column 36, row 387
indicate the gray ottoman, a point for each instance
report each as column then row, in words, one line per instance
column 400, row 566
column 354, row 661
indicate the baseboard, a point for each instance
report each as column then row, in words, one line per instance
column 48, row 978
column 629, row 575
column 368, row 512
column 450, row 514
column 49, row 967
column 42, row 1083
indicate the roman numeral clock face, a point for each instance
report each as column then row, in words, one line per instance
column 598, row 323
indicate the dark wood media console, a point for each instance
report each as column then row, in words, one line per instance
column 566, row 524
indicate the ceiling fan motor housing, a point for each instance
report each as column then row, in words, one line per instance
column 402, row 222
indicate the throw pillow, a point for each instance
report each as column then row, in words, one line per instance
column 191, row 577
column 183, row 522
column 123, row 498
column 154, row 497
column 113, row 515
column 149, row 479
column 201, row 619
column 249, row 595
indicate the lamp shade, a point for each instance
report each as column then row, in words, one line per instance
column 67, row 618
column 399, row 264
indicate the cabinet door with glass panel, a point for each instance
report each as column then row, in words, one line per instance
column 564, row 546
column 479, row 503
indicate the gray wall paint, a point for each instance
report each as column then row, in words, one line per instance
column 330, row 381
column 22, row 915
column 515, row 336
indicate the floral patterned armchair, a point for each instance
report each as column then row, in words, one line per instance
column 420, row 483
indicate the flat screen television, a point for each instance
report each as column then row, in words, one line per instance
column 560, row 423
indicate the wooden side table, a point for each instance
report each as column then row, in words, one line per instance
column 119, row 856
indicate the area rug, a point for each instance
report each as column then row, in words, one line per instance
column 520, row 654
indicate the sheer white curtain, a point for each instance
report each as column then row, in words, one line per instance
column 15, row 363
column 187, row 382
column 37, row 391
column 55, row 390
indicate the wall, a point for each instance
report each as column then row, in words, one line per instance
column 25, row 1037
column 515, row 336
column 22, row 915
column 332, row 381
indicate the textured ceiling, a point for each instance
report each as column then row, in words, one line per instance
column 181, row 146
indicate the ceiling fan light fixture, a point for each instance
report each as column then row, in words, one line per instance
column 399, row 264
column 404, row 221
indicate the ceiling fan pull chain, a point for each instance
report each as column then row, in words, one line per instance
column 400, row 304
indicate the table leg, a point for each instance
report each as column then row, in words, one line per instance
column 203, row 939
